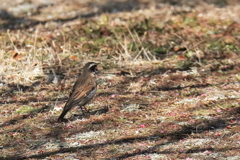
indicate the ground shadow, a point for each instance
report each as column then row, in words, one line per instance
column 25, row 21
column 172, row 137
column 13, row 22
column 13, row 121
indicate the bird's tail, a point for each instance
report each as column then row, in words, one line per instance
column 61, row 117
column 64, row 112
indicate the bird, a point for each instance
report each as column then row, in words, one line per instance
column 83, row 90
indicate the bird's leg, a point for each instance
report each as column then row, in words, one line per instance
column 84, row 109
column 85, row 112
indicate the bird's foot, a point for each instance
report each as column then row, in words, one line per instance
column 84, row 114
column 62, row 120
column 84, row 110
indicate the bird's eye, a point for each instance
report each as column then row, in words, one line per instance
column 93, row 68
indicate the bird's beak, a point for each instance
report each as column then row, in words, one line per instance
column 97, row 71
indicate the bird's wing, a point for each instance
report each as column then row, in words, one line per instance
column 78, row 94
column 75, row 86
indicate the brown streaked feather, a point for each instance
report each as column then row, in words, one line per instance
column 78, row 96
column 84, row 80
column 82, row 85
column 83, row 93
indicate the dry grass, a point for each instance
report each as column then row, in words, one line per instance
column 169, row 77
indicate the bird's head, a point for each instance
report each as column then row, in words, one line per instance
column 90, row 67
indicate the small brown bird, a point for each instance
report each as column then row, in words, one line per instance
column 83, row 90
